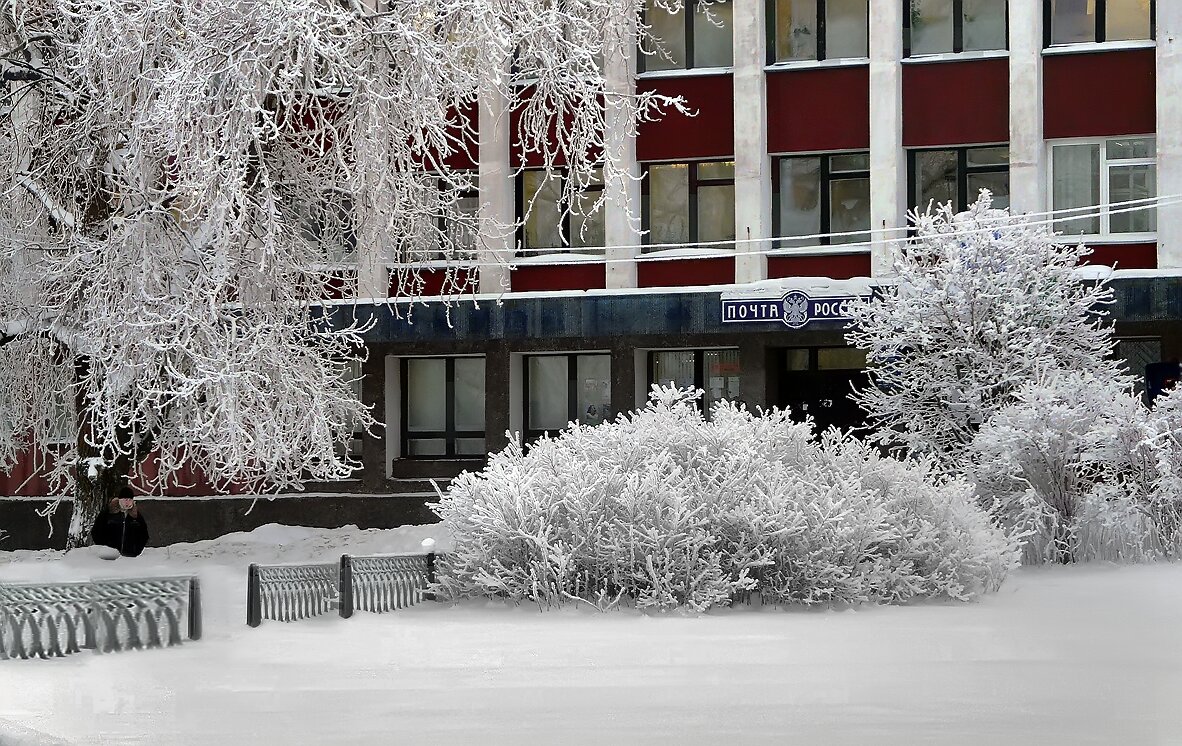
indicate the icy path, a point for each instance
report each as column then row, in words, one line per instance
column 1060, row 656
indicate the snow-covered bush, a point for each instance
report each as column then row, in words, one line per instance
column 663, row 508
column 1080, row 470
column 983, row 303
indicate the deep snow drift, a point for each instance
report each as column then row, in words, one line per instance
column 1060, row 655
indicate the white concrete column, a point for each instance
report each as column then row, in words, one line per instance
column 1028, row 150
column 373, row 277
column 753, row 177
column 1169, row 133
column 622, row 207
column 888, row 162
column 497, row 210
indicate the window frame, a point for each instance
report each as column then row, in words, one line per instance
column 449, row 434
column 957, row 32
column 693, row 183
column 826, row 178
column 529, row 434
column 1101, row 30
column 963, row 171
column 1105, row 235
column 688, row 30
column 822, row 36
column 520, row 204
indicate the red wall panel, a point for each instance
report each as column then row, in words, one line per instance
column 1124, row 255
column 836, row 266
column 582, row 276
column 686, row 272
column 26, row 477
column 1099, row 93
column 467, row 153
column 433, row 282
column 674, row 136
column 818, row 109
column 955, row 103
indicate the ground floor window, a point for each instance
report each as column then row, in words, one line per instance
column 560, row 389
column 714, row 371
column 443, row 406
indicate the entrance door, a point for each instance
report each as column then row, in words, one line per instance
column 817, row 382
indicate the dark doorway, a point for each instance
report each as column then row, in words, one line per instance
column 817, row 381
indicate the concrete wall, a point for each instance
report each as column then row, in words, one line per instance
column 176, row 520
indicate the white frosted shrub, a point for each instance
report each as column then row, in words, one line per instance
column 1079, row 469
column 662, row 508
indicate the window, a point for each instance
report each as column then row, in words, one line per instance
column 1087, row 174
column 689, row 203
column 714, row 371
column 351, row 375
column 549, row 224
column 958, row 176
column 461, row 231
column 326, row 221
column 818, row 30
column 560, row 389
column 443, row 406
column 689, row 40
column 943, row 26
column 817, row 194
column 1083, row 21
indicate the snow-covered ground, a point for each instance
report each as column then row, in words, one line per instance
column 1073, row 655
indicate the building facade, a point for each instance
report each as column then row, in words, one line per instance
column 819, row 125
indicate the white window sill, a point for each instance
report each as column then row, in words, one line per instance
column 690, row 72
column 817, row 64
column 831, row 250
column 1110, row 239
column 989, row 54
column 549, row 257
column 1091, row 47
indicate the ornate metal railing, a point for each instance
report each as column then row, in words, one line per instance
column 46, row 620
column 376, row 583
column 289, row 593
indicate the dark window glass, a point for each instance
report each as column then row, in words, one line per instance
column 957, row 176
column 822, row 194
column 701, row 38
column 689, row 203
column 1082, row 21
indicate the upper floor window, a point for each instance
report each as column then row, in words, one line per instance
column 698, row 38
column 822, row 194
column 958, row 175
column 944, row 26
column 547, row 221
column 1102, row 172
column 819, row 30
column 460, row 226
column 1082, row 21
column 689, row 203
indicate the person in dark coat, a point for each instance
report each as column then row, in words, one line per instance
column 121, row 526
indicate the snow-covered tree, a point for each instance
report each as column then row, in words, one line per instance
column 663, row 508
column 184, row 178
column 1080, row 469
column 981, row 304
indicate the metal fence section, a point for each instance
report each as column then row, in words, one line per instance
column 384, row 582
column 377, row 583
column 46, row 620
column 288, row 593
